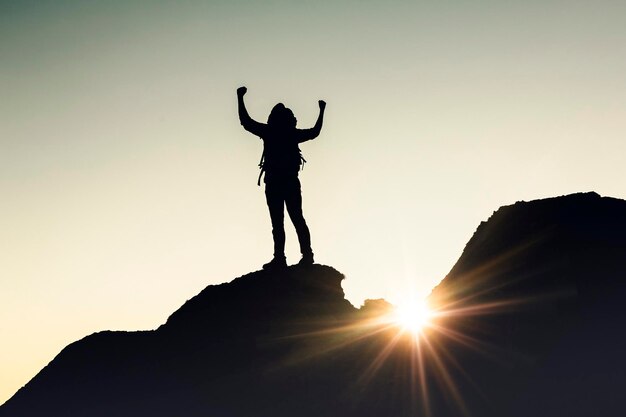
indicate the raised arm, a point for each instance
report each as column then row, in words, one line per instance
column 246, row 121
column 312, row 133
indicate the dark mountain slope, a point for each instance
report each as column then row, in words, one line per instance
column 581, row 234
column 267, row 343
column 531, row 324
column 541, row 287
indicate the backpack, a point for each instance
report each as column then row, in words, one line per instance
column 262, row 164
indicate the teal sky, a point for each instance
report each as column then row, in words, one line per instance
column 128, row 184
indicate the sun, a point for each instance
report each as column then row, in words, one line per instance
column 413, row 316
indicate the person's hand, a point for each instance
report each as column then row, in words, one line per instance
column 241, row 91
column 322, row 104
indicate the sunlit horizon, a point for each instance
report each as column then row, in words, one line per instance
column 413, row 316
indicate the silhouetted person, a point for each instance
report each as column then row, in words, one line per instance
column 281, row 163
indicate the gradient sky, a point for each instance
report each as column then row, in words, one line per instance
column 127, row 184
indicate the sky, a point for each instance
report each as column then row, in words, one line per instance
column 127, row 184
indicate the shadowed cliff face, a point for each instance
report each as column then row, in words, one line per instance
column 530, row 322
column 571, row 245
column 540, row 289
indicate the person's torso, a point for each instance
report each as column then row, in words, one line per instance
column 281, row 154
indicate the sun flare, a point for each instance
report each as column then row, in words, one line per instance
column 413, row 316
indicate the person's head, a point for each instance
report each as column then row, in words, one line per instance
column 281, row 117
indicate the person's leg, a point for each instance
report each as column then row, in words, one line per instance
column 293, row 201
column 276, row 203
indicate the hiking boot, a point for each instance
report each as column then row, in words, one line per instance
column 276, row 263
column 306, row 260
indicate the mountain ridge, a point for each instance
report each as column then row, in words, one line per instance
column 535, row 300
